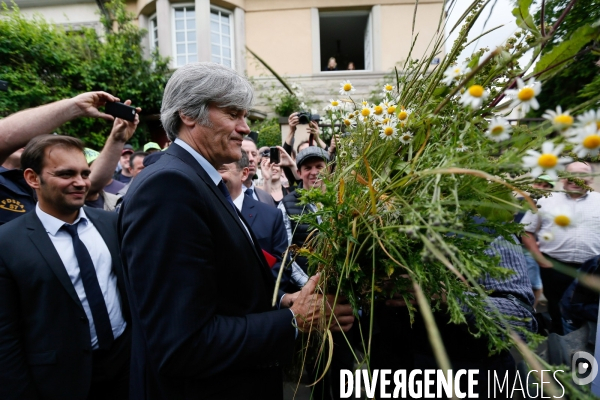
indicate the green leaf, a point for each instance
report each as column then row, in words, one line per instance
column 563, row 52
column 524, row 19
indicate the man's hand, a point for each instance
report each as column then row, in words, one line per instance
column 313, row 129
column 285, row 160
column 122, row 129
column 310, row 310
column 88, row 104
column 293, row 121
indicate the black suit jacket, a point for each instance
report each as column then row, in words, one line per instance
column 200, row 291
column 45, row 349
column 267, row 225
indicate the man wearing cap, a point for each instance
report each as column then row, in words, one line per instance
column 124, row 175
column 151, row 147
column 568, row 225
column 311, row 162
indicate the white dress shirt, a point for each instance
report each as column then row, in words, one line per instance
column 575, row 243
column 239, row 201
column 102, row 259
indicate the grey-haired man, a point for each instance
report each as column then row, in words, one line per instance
column 201, row 291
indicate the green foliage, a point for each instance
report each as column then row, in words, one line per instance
column 269, row 132
column 568, row 87
column 45, row 63
column 288, row 103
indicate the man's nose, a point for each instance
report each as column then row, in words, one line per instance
column 242, row 127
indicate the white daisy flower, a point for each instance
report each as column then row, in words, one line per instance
column 587, row 140
column 474, row 96
column 546, row 236
column 590, row 117
column 387, row 88
column 391, row 109
column 560, row 120
column 498, row 130
column 562, row 217
column 454, row 73
column 333, row 105
column 525, row 94
column 379, row 111
column 389, row 120
column 403, row 114
column 365, row 113
column 461, row 148
column 388, row 132
column 349, row 123
column 547, row 161
column 346, row 88
column 406, row 137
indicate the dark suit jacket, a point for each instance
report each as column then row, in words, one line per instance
column 203, row 325
column 267, row 225
column 45, row 349
column 264, row 197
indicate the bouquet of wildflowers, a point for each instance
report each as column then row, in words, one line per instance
column 422, row 174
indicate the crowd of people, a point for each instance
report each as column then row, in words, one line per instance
column 151, row 274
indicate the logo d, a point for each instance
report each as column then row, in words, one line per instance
column 582, row 363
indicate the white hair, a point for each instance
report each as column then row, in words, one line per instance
column 194, row 87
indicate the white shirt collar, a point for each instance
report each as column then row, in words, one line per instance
column 239, row 201
column 244, row 187
column 210, row 170
column 53, row 224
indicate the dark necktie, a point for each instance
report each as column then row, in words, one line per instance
column 225, row 192
column 92, row 290
column 249, row 192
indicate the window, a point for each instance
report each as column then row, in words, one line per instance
column 153, row 32
column 184, row 24
column 221, row 42
column 346, row 36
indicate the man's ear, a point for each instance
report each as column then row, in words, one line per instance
column 187, row 121
column 245, row 173
column 32, row 178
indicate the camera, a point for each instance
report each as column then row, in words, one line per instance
column 304, row 117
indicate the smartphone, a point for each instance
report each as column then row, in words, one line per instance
column 4, row 86
column 120, row 110
column 274, row 155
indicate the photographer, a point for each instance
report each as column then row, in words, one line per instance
column 271, row 173
column 296, row 119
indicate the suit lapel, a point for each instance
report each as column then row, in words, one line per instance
column 249, row 211
column 38, row 235
column 179, row 152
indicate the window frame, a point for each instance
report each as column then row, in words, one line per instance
column 153, row 31
column 174, row 54
column 231, row 33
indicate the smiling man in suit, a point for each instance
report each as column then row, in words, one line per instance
column 200, row 288
column 63, row 308
column 266, row 222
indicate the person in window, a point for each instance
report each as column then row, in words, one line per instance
column 351, row 66
column 331, row 64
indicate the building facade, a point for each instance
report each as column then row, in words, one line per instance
column 295, row 37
